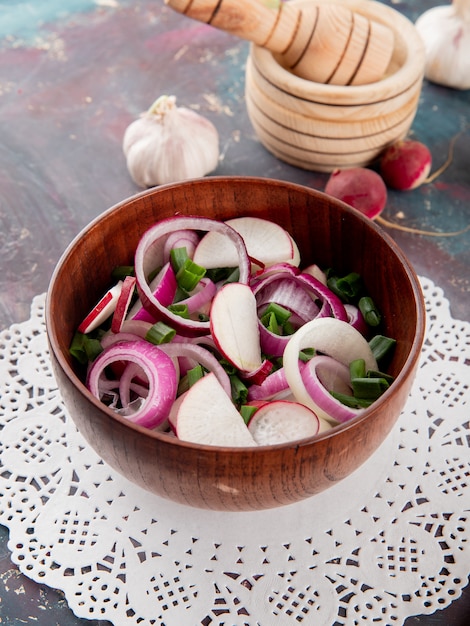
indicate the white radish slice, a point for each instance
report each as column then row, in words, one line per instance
column 330, row 336
column 206, row 415
column 265, row 241
column 123, row 303
column 281, row 422
column 234, row 326
column 102, row 310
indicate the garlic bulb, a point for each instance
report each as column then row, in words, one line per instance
column 169, row 144
column 445, row 31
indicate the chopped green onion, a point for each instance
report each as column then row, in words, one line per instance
column 369, row 311
column 247, row 411
column 269, row 321
column 306, row 354
column 282, row 314
column 179, row 309
column 223, row 274
column 189, row 275
column 288, row 328
column 375, row 374
column 357, row 369
column 381, row 346
column 178, row 257
column 351, row 401
column 239, row 390
column 195, row 374
column 160, row 333
column 369, row 388
column 121, row 271
column 349, row 288
column 85, row 348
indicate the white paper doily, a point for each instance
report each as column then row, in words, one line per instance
column 390, row 541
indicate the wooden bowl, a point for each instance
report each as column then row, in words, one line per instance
column 323, row 127
column 329, row 233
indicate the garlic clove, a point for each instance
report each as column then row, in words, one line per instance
column 170, row 144
column 445, row 31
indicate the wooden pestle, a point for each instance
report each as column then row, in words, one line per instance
column 326, row 43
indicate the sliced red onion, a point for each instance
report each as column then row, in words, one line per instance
column 321, row 375
column 112, row 338
column 137, row 327
column 150, row 254
column 277, row 268
column 158, row 369
column 271, row 387
column 200, row 355
column 330, row 336
column 201, row 297
column 181, row 239
column 356, row 319
column 326, row 296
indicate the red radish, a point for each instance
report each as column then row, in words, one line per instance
column 123, row 303
column 282, row 421
column 265, row 241
column 405, row 165
column 234, row 326
column 102, row 310
column 206, row 415
column 361, row 188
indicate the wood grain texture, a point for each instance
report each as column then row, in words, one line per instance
column 328, row 233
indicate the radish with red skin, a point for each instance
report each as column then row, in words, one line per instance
column 267, row 244
column 234, row 326
column 361, row 188
column 282, row 421
column 122, row 306
column 405, row 165
column 207, row 416
column 102, row 310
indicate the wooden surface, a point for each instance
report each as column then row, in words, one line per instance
column 73, row 76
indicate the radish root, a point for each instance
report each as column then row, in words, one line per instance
column 430, row 233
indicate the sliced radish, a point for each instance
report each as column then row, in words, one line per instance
column 123, row 303
column 281, row 422
column 234, row 326
column 102, row 310
column 206, row 415
column 330, row 336
column 265, row 241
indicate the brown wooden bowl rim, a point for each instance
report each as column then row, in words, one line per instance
column 400, row 380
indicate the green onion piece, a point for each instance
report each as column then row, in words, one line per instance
column 239, row 390
column 369, row 388
column 282, row 314
column 357, row 369
column 223, row 274
column 202, row 317
column 178, row 257
column 375, row 374
column 121, row 272
column 369, row 311
column 348, row 288
column 195, row 374
column 306, row 354
column 288, row 328
column 180, row 294
column 247, row 411
column 85, row 348
column 351, row 401
column 179, row 309
column 269, row 321
column 189, row 275
column 160, row 333
column 381, row 346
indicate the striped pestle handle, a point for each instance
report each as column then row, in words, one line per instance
column 326, row 43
